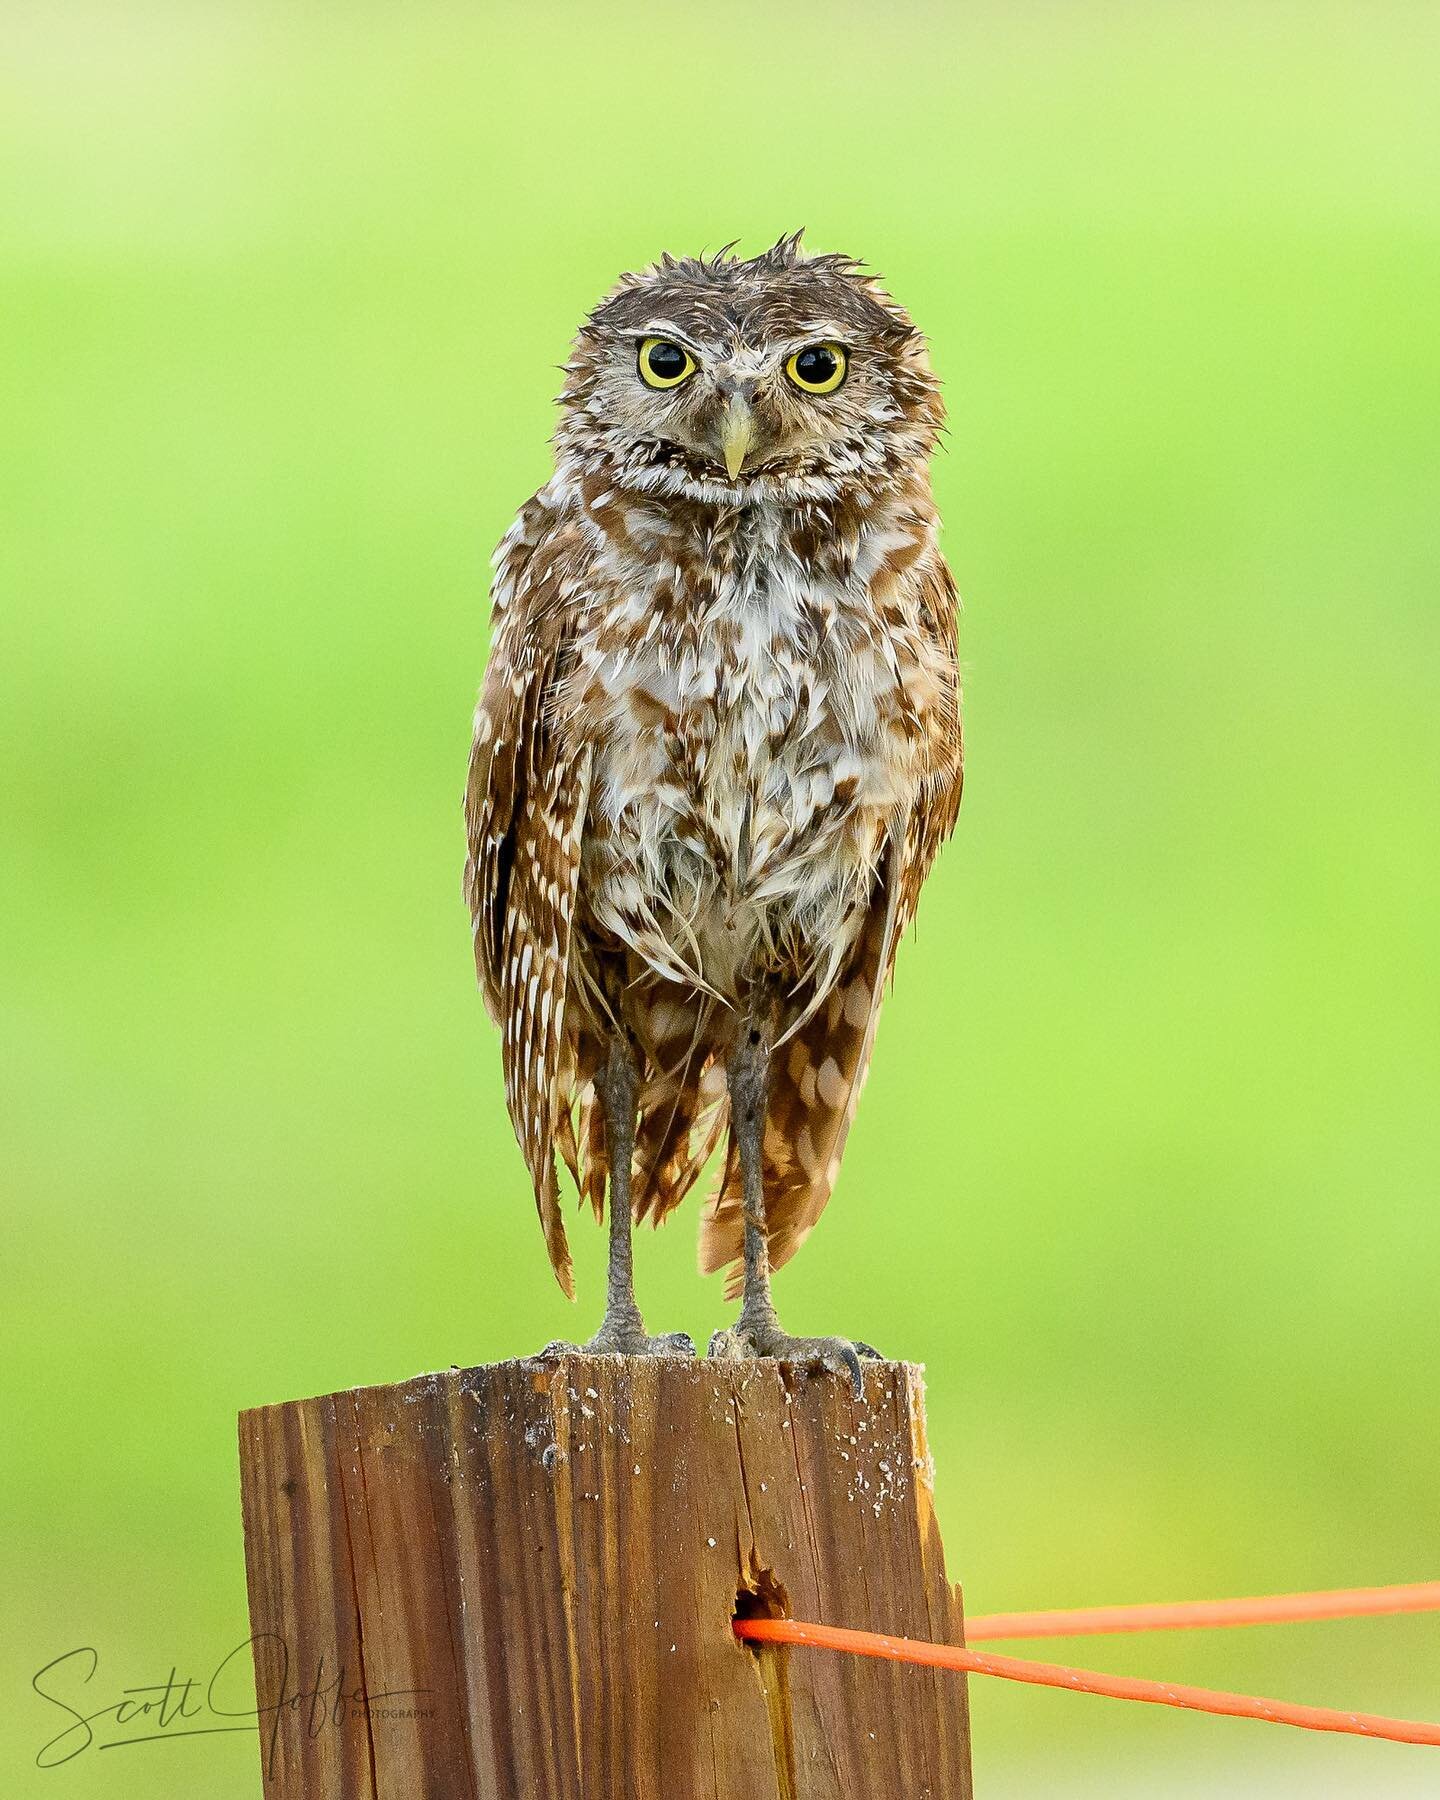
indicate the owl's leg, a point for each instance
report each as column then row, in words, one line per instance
column 757, row 1332
column 622, row 1330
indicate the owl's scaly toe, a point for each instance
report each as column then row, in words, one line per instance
column 668, row 1343
column 743, row 1341
column 614, row 1339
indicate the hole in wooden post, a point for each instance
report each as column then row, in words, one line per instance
column 761, row 1597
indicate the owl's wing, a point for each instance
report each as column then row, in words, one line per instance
column 818, row 1072
column 525, row 806
column 932, row 818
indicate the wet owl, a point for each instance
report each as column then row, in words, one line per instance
column 716, row 751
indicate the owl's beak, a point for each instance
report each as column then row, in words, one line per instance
column 737, row 434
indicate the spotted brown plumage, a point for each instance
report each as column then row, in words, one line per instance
column 716, row 753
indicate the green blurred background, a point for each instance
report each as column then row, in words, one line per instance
column 1147, row 1167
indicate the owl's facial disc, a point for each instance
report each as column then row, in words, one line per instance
column 730, row 380
column 747, row 407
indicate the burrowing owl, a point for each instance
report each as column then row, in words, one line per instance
column 716, row 752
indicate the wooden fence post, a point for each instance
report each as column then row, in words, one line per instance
column 517, row 1582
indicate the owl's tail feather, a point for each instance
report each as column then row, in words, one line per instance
column 815, row 1083
column 682, row 1108
column 678, row 1135
column 682, row 1104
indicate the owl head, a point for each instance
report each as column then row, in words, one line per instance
column 728, row 380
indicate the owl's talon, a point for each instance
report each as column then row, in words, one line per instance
column 726, row 1346
column 840, row 1356
column 622, row 1341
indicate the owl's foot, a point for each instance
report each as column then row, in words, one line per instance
column 746, row 1340
column 623, row 1337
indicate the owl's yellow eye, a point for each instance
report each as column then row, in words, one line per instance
column 818, row 368
column 664, row 364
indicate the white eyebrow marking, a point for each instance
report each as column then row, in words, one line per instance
column 666, row 328
column 826, row 331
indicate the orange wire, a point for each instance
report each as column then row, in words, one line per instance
column 1085, row 1681
column 1271, row 1609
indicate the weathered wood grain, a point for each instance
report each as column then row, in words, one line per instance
column 517, row 1583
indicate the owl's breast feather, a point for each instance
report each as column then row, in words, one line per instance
column 746, row 773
